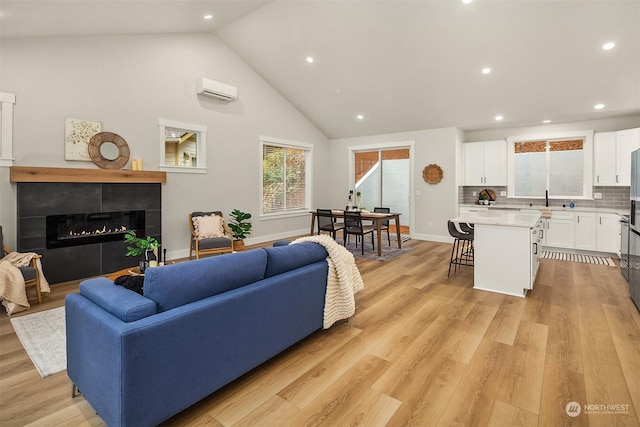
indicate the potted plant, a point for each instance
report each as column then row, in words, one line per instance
column 137, row 246
column 240, row 227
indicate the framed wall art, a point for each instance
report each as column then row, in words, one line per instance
column 77, row 134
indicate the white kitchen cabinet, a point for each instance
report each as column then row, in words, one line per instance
column 626, row 142
column 506, row 250
column 608, row 233
column 612, row 156
column 560, row 230
column 585, row 231
column 604, row 158
column 485, row 163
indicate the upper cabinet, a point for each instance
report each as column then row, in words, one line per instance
column 626, row 142
column 604, row 158
column 485, row 163
column 612, row 156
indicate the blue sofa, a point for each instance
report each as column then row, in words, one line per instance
column 140, row 359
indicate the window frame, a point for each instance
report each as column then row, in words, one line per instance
column 201, row 146
column 7, row 102
column 283, row 143
column 587, row 171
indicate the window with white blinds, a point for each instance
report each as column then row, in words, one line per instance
column 560, row 166
column 286, row 177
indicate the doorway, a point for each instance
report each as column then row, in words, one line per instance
column 382, row 177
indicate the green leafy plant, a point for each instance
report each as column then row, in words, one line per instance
column 240, row 224
column 136, row 246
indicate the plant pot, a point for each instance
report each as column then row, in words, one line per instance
column 238, row 245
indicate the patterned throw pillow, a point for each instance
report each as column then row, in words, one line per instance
column 208, row 226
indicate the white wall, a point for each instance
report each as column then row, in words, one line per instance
column 128, row 83
column 433, row 205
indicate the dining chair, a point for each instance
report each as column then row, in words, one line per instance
column 385, row 224
column 353, row 225
column 327, row 222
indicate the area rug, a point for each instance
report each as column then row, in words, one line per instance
column 388, row 252
column 44, row 338
column 589, row 259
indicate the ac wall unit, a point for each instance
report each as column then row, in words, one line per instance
column 215, row 89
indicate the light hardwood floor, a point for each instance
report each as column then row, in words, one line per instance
column 422, row 350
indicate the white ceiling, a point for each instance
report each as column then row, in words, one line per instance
column 403, row 65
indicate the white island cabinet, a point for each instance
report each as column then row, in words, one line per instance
column 507, row 248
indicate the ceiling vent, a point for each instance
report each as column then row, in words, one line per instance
column 215, row 89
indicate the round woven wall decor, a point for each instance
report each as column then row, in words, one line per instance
column 96, row 155
column 432, row 174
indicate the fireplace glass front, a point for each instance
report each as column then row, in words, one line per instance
column 86, row 228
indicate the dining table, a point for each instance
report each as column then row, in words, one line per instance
column 377, row 217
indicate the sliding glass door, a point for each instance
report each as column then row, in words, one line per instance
column 382, row 179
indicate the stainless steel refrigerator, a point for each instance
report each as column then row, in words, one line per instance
column 634, row 230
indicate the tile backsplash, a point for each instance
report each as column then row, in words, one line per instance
column 612, row 197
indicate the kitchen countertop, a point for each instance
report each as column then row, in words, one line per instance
column 499, row 206
column 499, row 217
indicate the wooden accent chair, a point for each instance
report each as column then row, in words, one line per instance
column 353, row 225
column 327, row 222
column 219, row 243
column 30, row 273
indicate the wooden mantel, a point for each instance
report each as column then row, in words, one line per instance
column 40, row 174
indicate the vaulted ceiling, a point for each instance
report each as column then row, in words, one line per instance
column 399, row 65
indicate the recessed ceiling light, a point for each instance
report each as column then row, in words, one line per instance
column 608, row 46
column 546, row 121
column 359, row 117
column 310, row 59
column 208, row 16
column 498, row 118
column 598, row 106
column 466, row 1
column 486, row 70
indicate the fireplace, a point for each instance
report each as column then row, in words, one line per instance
column 46, row 207
column 95, row 227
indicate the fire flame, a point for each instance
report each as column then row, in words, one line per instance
column 104, row 230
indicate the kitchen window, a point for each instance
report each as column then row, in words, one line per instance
column 286, row 177
column 560, row 164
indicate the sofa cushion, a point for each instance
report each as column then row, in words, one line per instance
column 127, row 305
column 281, row 259
column 174, row 285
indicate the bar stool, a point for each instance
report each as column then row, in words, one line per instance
column 462, row 250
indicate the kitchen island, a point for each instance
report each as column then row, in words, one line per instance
column 507, row 248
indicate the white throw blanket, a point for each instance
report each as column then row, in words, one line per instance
column 343, row 280
column 12, row 291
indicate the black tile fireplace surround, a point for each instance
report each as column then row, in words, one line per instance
column 90, row 256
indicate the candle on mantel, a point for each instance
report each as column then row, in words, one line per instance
column 136, row 165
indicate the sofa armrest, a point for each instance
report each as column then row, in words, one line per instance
column 126, row 305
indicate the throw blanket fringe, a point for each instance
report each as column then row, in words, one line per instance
column 343, row 280
column 12, row 290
